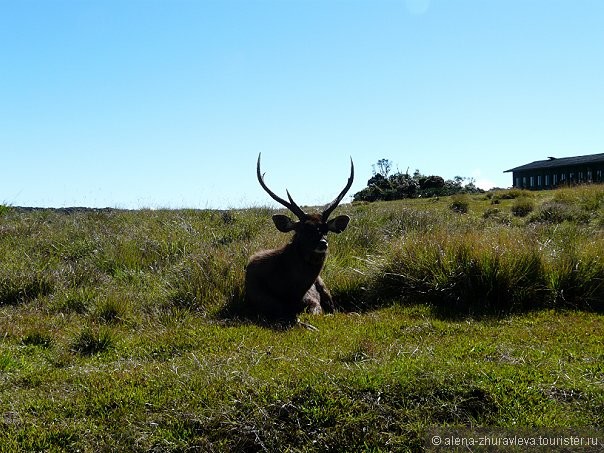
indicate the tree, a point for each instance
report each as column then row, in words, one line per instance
column 383, row 186
column 384, row 166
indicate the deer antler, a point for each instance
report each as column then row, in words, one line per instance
column 334, row 204
column 291, row 205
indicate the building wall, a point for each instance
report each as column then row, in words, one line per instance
column 550, row 178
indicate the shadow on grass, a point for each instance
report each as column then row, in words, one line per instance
column 23, row 287
column 338, row 417
column 463, row 299
column 236, row 312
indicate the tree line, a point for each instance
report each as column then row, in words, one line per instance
column 385, row 186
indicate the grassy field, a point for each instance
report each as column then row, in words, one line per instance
column 120, row 330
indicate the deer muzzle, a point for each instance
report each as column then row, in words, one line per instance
column 321, row 246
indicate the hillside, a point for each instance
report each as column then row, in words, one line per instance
column 120, row 330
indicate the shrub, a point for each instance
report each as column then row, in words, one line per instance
column 460, row 204
column 403, row 185
column 496, row 215
column 522, row 207
column 509, row 194
column 558, row 212
column 491, row 213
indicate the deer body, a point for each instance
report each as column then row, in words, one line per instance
column 281, row 283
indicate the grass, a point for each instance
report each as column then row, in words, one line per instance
column 119, row 329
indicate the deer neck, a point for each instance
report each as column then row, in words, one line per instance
column 309, row 260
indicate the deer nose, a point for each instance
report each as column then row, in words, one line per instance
column 322, row 245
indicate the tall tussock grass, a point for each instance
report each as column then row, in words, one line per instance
column 478, row 264
column 482, row 273
column 131, row 264
column 470, row 271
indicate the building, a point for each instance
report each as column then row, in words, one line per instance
column 555, row 172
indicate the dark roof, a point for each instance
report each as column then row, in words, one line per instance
column 553, row 162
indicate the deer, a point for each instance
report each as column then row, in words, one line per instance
column 282, row 283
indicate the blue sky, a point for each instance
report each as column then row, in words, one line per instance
column 157, row 104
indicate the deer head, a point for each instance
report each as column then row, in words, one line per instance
column 310, row 230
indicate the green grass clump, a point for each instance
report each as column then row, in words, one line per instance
column 37, row 338
column 558, row 212
column 122, row 330
column 460, row 204
column 89, row 341
column 474, row 272
column 508, row 194
column 522, row 207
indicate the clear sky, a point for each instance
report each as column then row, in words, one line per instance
column 157, row 104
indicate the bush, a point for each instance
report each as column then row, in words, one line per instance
column 403, row 185
column 460, row 204
column 495, row 214
column 509, row 194
column 522, row 207
column 491, row 213
column 558, row 212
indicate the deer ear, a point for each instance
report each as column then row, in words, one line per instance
column 338, row 224
column 283, row 223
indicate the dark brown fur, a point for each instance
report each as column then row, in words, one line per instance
column 282, row 283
